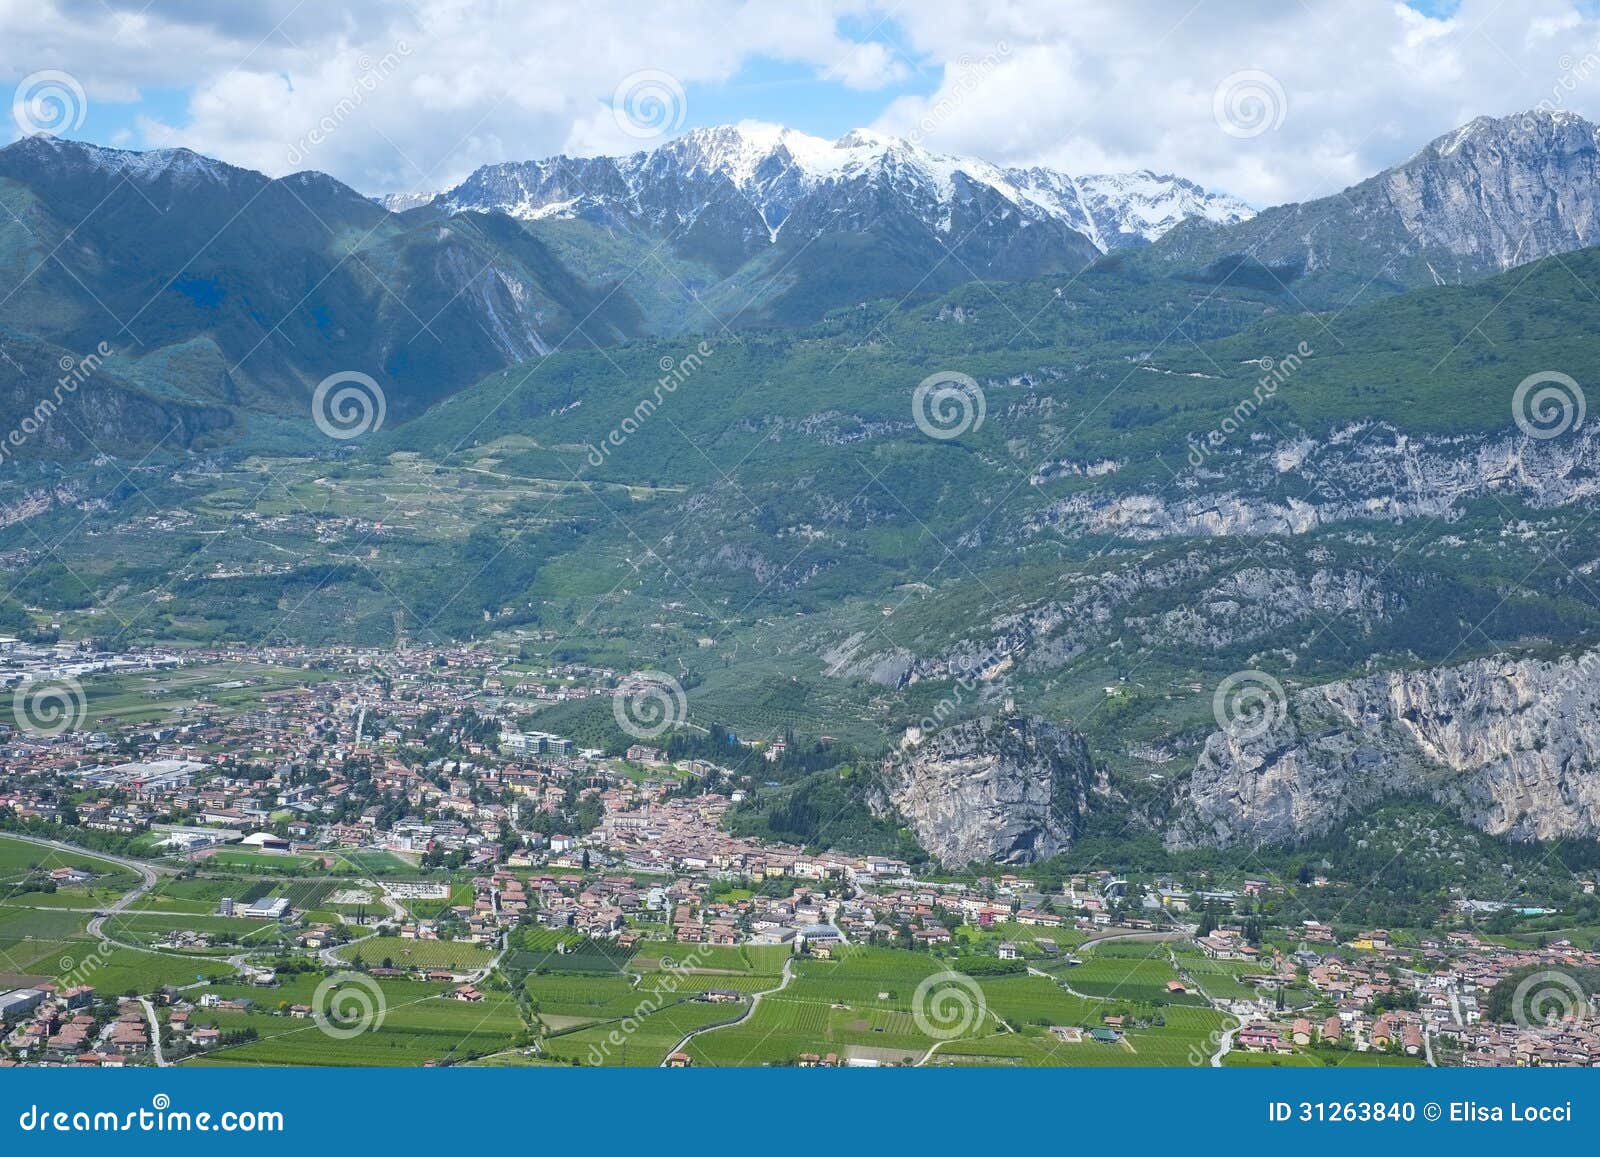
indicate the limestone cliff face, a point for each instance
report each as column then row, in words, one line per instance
column 1513, row 746
column 1007, row 789
column 1493, row 194
column 1364, row 472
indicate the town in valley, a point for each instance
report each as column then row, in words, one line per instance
column 326, row 856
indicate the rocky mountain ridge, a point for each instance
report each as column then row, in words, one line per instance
column 1510, row 745
column 1367, row 471
column 1000, row 788
column 1495, row 193
column 790, row 181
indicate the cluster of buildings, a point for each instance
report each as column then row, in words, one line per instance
column 427, row 753
column 1427, row 999
column 68, row 1026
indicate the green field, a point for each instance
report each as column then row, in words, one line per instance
column 862, row 1005
column 643, row 1041
column 122, row 970
column 1139, row 980
column 562, row 950
column 457, row 955
column 1171, row 1036
column 271, row 862
column 418, row 1025
column 861, row 1001
column 235, row 934
column 377, row 863
column 19, row 859
column 142, row 697
column 34, row 941
column 1220, row 978
column 757, row 960
column 638, row 1016
column 202, row 895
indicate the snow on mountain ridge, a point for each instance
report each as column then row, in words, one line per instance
column 773, row 168
column 400, row 202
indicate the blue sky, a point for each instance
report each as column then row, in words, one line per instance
column 764, row 87
column 1089, row 86
column 792, row 94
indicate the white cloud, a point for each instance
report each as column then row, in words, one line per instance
column 1130, row 83
column 475, row 83
column 406, row 94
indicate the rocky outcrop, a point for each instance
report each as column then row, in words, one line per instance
column 1205, row 599
column 1512, row 746
column 1491, row 195
column 1365, row 472
column 1007, row 789
column 759, row 181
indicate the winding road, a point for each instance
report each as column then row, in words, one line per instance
column 149, row 876
column 755, row 1002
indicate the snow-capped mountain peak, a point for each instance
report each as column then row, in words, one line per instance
column 400, row 202
column 777, row 170
column 66, row 155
